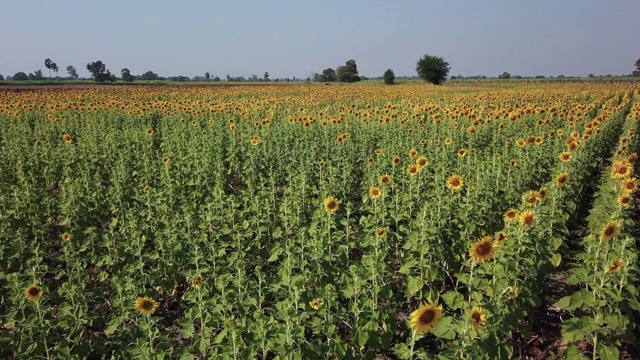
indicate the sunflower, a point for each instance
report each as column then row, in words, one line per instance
column 455, row 182
column 422, row 161
column 531, row 198
column 513, row 163
column 543, row 192
column 412, row 169
column 527, row 218
column 149, row 131
column 316, row 304
column 66, row 236
column 615, row 266
column 165, row 159
column 620, row 169
column 413, row 153
column 147, row 188
column 610, row 230
column 514, row 294
column 521, row 143
column 331, row 204
column 562, row 178
column 375, row 192
column 255, row 141
column 426, row 317
column 565, row 156
column 145, row 306
column 33, row 293
column 482, row 250
column 501, row 237
column 232, row 126
column 196, row 282
column 624, row 201
column 67, row 138
column 385, row 179
column 395, row 161
column 381, row 232
column 629, row 185
column 462, row 153
column 477, row 317
column 447, row 141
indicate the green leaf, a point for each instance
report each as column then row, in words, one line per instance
column 445, row 329
column 608, row 352
column 453, row 299
column 556, row 258
column 574, row 353
column 220, row 336
column 414, row 285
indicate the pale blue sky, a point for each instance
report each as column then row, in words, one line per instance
column 297, row 37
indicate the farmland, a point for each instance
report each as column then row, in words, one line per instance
column 310, row 221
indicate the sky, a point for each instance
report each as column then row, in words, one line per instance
column 298, row 37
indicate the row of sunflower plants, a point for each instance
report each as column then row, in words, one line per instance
column 604, row 274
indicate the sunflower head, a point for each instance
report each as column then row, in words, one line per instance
column 149, row 131
column 629, row 185
column 621, row 169
column 33, row 293
column 145, row 305
column 562, row 179
column 531, row 198
column 527, row 218
column 395, row 161
column 455, row 182
column 413, row 153
column 501, row 237
column 381, row 232
column 413, row 170
column 478, row 317
column 565, row 156
column 426, row 317
column 316, row 303
column 462, row 153
column 331, row 204
column 66, row 236
column 483, row 249
column 610, row 230
column 165, row 160
column 147, row 188
column 196, row 282
column 67, row 138
column 422, row 161
column 385, row 179
column 375, row 192
column 615, row 266
column 624, row 201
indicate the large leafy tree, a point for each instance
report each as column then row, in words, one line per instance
column 389, row 77
column 433, row 69
column 636, row 72
column 99, row 72
column 49, row 65
column 126, row 75
column 72, row 72
column 348, row 72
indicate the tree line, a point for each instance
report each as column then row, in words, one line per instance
column 430, row 68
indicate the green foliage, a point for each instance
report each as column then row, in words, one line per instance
column 20, row 76
column 72, row 72
column 433, row 69
column 150, row 76
column 389, row 77
column 348, row 72
column 126, row 75
column 505, row 75
column 99, row 72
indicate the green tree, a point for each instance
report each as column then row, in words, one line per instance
column 329, row 75
column 433, row 69
column 504, row 75
column 55, row 69
column 348, row 72
column 150, row 75
column 126, row 75
column 1, row 77
column 48, row 64
column 266, row 76
column 636, row 72
column 20, row 76
column 99, row 72
column 207, row 76
column 72, row 72
column 389, row 77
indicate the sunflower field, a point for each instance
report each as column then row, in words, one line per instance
column 307, row 221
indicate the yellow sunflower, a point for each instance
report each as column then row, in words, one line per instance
column 395, row 161
column 562, row 179
column 422, row 162
column 624, row 201
column 615, row 266
column 150, row 131
column 426, row 317
column 621, row 169
column 375, row 192
column 66, row 236
column 565, row 156
column 33, row 293
column 527, row 218
column 381, row 232
column 165, row 159
column 385, row 179
column 316, row 304
column 483, row 249
column 413, row 153
column 413, row 170
column 477, row 317
column 531, row 198
column 610, row 230
column 331, row 204
column 462, row 153
column 501, row 237
column 145, row 305
column 455, row 182
column 67, row 138
column 629, row 185
column 196, row 282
